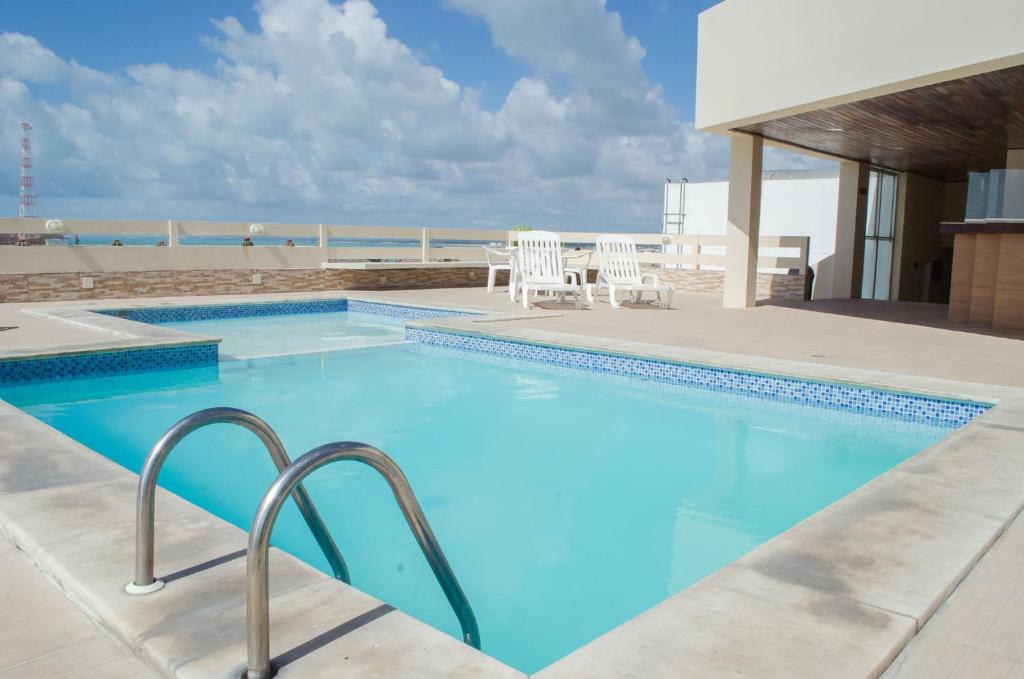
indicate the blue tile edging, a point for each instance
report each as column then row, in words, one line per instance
column 205, row 312
column 97, row 364
column 409, row 313
column 947, row 413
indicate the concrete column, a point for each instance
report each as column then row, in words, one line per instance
column 847, row 266
column 744, row 221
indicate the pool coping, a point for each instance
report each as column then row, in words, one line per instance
column 123, row 334
column 845, row 589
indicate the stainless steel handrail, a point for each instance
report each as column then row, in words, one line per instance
column 257, row 575
column 145, row 508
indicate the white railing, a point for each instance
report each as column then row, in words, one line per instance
column 702, row 251
column 320, row 243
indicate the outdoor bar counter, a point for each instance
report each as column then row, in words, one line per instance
column 988, row 275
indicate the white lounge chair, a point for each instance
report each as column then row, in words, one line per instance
column 540, row 267
column 619, row 271
column 498, row 260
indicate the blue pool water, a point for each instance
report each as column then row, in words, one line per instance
column 567, row 501
column 260, row 336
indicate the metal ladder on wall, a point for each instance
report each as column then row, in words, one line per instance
column 288, row 483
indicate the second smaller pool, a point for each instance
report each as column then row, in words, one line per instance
column 262, row 336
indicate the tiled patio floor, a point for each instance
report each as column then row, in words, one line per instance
column 979, row 632
column 46, row 636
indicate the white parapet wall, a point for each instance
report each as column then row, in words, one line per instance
column 15, row 260
column 793, row 203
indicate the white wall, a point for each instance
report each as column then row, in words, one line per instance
column 760, row 59
column 789, row 207
column 62, row 258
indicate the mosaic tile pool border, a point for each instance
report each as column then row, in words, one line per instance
column 205, row 312
column 72, row 366
column 699, row 399
column 409, row 313
column 833, row 395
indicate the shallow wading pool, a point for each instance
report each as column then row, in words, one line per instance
column 568, row 499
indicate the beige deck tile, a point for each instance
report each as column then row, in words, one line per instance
column 969, row 613
column 1005, row 635
column 755, row 627
column 46, row 635
column 982, row 665
column 983, row 613
column 928, row 656
column 87, row 660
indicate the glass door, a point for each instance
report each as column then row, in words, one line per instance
column 879, row 234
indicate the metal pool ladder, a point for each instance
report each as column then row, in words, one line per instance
column 145, row 506
column 288, row 483
column 257, row 614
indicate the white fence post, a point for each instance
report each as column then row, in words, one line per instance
column 173, row 232
column 425, row 246
column 323, row 241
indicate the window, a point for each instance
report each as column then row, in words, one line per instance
column 879, row 234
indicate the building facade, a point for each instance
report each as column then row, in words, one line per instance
column 919, row 102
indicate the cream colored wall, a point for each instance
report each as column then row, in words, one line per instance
column 921, row 207
column 840, row 276
column 743, row 215
column 58, row 259
column 757, row 60
column 954, row 203
column 789, row 207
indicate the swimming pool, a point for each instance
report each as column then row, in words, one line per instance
column 289, row 334
column 567, row 500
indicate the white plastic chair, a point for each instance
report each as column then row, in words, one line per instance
column 498, row 260
column 576, row 264
column 619, row 271
column 540, row 267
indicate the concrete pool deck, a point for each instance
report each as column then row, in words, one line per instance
column 844, row 590
column 53, row 638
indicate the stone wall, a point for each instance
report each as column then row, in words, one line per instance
column 53, row 287
column 769, row 285
column 68, row 286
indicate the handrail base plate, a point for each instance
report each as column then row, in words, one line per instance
column 137, row 590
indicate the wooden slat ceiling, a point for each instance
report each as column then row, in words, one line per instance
column 939, row 130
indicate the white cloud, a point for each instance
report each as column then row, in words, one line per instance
column 320, row 115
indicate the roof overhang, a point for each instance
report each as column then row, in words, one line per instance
column 789, row 68
column 939, row 130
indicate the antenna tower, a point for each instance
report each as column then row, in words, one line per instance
column 26, row 183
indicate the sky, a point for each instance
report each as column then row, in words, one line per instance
column 564, row 114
